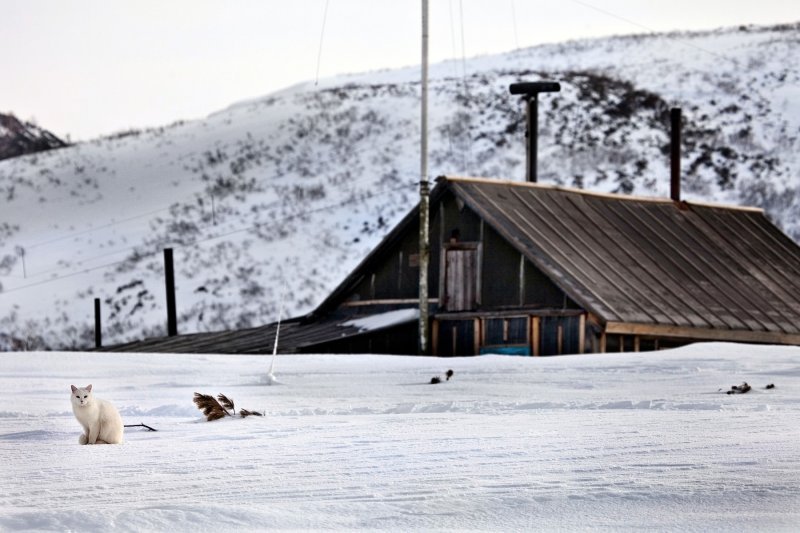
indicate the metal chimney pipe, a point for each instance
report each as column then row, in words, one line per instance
column 532, row 134
column 531, row 91
column 675, row 154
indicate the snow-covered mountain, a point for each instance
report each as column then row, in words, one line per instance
column 285, row 194
column 20, row 138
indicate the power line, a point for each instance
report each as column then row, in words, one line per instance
column 194, row 197
column 514, row 23
column 453, row 39
column 321, row 36
column 614, row 15
column 463, row 45
column 65, row 276
column 191, row 200
column 295, row 215
column 651, row 30
column 97, row 228
column 83, row 261
column 466, row 152
column 195, row 242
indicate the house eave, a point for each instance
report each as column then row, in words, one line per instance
column 701, row 334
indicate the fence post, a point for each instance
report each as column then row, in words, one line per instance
column 21, row 253
column 98, row 333
column 169, row 274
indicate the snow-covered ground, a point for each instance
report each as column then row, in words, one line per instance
column 598, row 442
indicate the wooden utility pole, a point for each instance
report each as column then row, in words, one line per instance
column 424, row 195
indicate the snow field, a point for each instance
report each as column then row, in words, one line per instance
column 598, row 442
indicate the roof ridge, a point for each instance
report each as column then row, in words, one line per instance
column 612, row 196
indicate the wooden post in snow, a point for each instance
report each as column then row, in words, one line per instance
column 98, row 333
column 169, row 274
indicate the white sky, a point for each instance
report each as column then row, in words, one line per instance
column 89, row 67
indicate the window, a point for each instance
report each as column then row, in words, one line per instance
column 508, row 335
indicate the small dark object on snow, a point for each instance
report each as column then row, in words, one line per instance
column 226, row 402
column 739, row 389
column 140, row 426
column 770, row 386
column 210, row 406
column 438, row 379
column 214, row 409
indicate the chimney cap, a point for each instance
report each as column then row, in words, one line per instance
column 534, row 87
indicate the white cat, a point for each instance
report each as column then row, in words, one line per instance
column 100, row 420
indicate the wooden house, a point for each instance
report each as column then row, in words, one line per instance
column 526, row 268
column 532, row 269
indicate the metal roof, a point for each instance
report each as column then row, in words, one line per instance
column 646, row 260
column 260, row 340
column 296, row 336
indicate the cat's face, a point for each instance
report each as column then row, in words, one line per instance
column 81, row 396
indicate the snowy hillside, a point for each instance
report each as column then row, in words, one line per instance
column 294, row 188
column 612, row 442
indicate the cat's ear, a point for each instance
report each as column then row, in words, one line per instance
column 89, row 388
column 74, row 388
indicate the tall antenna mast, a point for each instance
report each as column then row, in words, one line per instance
column 424, row 194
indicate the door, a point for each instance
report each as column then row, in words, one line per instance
column 461, row 277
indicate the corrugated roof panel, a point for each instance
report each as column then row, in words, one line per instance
column 608, row 250
column 640, row 261
column 682, row 258
column 748, row 284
